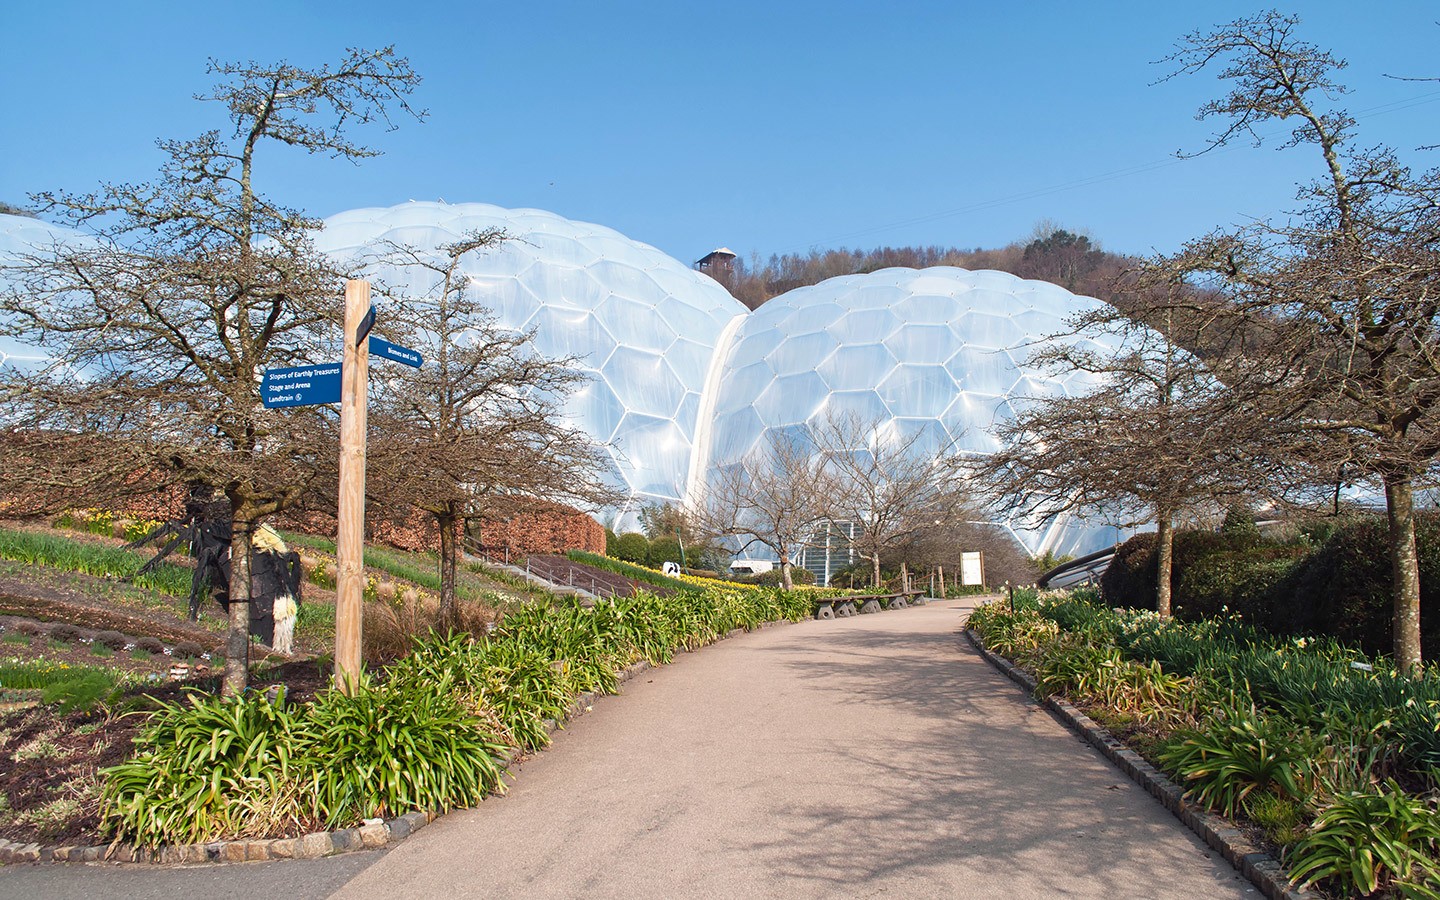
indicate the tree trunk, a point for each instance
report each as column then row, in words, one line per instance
column 449, row 611
column 785, row 580
column 904, row 577
column 1165, row 557
column 237, row 642
column 941, row 570
column 1404, row 571
column 875, row 571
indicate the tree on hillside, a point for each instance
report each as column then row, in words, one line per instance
column 889, row 484
column 1348, row 284
column 1159, row 436
column 775, row 497
column 474, row 432
column 187, row 288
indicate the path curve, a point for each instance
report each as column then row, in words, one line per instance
column 875, row 755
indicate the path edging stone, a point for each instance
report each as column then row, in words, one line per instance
column 1263, row 870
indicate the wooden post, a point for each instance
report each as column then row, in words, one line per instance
column 350, row 536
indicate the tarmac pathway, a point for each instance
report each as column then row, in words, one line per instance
column 876, row 755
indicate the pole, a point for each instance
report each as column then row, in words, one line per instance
column 350, row 536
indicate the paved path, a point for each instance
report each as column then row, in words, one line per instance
column 860, row 757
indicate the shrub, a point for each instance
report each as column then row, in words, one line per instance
column 1243, row 753
column 385, row 751
column 186, row 650
column 150, row 645
column 1234, row 571
column 1129, row 580
column 65, row 632
column 1372, row 840
column 1344, row 589
column 663, row 550
column 112, row 639
column 215, row 767
column 632, row 547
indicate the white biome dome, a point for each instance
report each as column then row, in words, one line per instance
column 937, row 351
column 643, row 325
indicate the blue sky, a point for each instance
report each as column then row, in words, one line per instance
column 765, row 127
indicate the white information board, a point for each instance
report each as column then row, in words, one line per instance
column 972, row 568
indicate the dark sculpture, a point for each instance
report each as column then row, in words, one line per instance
column 274, row 569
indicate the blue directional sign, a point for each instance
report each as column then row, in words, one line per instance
column 379, row 347
column 366, row 324
column 301, row 385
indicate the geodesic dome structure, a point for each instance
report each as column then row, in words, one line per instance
column 939, row 351
column 643, row 325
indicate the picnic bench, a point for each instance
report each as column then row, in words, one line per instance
column 832, row 607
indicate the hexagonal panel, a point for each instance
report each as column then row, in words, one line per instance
column 792, row 398
column 864, row 405
column 855, row 367
column 561, row 332
column 925, row 309
column 913, row 391
column 865, row 325
column 929, row 344
column 981, row 369
column 635, row 324
column 656, row 451
column 644, row 382
column 801, row 354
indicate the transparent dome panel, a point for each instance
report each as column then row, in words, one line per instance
column 931, row 344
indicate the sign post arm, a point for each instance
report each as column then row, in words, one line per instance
column 350, row 536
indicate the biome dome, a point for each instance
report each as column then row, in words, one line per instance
column 939, row 351
column 684, row 379
column 643, row 325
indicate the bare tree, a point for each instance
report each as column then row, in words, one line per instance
column 475, row 430
column 1350, row 281
column 775, row 497
column 186, row 289
column 1158, row 436
column 888, row 483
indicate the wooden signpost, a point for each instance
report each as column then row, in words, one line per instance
column 348, row 383
column 350, row 533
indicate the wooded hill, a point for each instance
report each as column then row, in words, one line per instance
column 1070, row 260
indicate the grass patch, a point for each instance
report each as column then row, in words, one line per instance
column 315, row 624
column 473, row 582
column 53, row 551
column 39, row 673
column 629, row 570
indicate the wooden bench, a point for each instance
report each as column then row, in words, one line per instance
column 832, row 607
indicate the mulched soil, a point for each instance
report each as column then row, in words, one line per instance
column 46, row 755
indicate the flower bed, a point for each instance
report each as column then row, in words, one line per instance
column 1332, row 754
